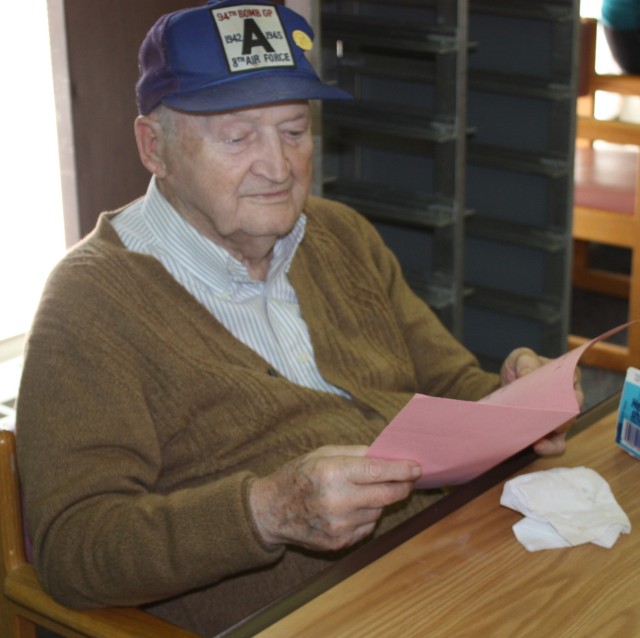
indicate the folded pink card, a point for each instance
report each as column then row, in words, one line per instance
column 455, row 441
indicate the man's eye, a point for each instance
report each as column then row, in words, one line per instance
column 235, row 137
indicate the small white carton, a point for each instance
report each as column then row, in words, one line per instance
column 628, row 430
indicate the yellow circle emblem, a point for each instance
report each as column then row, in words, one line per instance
column 303, row 40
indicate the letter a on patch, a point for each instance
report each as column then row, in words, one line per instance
column 247, row 33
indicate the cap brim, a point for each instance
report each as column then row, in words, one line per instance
column 251, row 92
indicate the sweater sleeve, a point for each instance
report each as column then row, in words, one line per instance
column 442, row 365
column 104, row 530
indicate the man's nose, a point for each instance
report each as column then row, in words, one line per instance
column 272, row 161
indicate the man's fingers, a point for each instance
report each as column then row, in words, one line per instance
column 519, row 363
column 339, row 450
column 551, row 445
column 577, row 387
column 372, row 470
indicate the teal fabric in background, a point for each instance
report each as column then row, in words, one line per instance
column 621, row 14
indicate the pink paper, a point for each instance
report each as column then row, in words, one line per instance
column 455, row 441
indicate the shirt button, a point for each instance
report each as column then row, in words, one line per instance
column 303, row 357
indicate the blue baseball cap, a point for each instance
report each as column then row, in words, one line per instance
column 229, row 55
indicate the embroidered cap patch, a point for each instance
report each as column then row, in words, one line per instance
column 252, row 37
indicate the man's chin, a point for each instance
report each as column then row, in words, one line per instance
column 275, row 224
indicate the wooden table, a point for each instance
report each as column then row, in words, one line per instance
column 467, row 575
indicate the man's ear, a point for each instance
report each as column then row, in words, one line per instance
column 150, row 141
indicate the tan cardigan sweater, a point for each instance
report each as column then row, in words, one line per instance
column 142, row 420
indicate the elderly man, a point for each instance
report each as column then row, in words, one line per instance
column 207, row 368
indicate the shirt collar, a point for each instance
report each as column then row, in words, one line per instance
column 179, row 240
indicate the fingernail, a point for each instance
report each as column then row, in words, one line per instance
column 416, row 471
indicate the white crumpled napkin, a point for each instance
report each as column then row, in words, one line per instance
column 564, row 507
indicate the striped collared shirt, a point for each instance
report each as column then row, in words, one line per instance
column 264, row 315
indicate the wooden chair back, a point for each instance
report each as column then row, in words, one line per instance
column 23, row 602
column 606, row 201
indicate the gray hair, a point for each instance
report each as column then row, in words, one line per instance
column 166, row 117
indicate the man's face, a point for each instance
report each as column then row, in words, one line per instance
column 243, row 176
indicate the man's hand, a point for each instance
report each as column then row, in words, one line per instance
column 520, row 361
column 523, row 361
column 330, row 498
